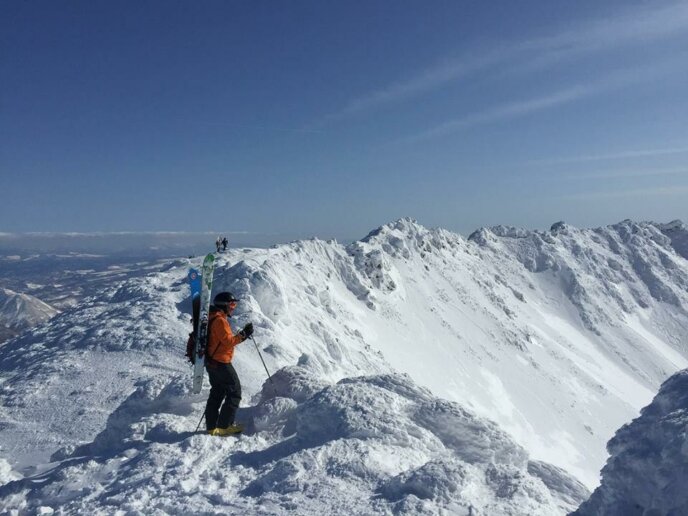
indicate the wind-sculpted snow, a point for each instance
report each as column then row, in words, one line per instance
column 305, row 298
column 366, row 445
column 647, row 472
column 559, row 337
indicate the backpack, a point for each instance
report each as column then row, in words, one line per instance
column 191, row 346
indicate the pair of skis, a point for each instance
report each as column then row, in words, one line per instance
column 201, row 289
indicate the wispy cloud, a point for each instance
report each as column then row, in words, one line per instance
column 633, row 27
column 424, row 81
column 503, row 111
column 641, row 153
column 614, row 80
column 646, row 172
column 637, row 26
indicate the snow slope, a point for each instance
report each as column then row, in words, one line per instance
column 647, row 472
column 60, row 382
column 19, row 312
column 559, row 337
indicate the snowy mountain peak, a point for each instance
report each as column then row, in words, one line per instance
column 405, row 237
column 19, row 312
column 677, row 232
column 674, row 225
column 401, row 229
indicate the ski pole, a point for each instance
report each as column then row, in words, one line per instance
column 201, row 421
column 261, row 359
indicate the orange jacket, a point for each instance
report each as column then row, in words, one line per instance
column 221, row 340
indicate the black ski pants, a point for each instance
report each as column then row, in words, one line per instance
column 225, row 392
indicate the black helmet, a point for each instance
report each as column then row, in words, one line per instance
column 223, row 299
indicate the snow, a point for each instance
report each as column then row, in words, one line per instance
column 414, row 371
column 19, row 312
column 366, row 445
column 670, row 354
column 678, row 234
column 483, row 300
column 647, row 472
column 22, row 311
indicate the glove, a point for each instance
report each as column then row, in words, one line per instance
column 247, row 331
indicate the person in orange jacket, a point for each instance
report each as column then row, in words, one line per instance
column 225, row 388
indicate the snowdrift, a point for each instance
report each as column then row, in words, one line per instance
column 647, row 472
column 366, row 445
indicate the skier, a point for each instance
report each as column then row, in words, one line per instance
column 224, row 244
column 225, row 388
column 218, row 243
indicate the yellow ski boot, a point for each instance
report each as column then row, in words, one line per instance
column 230, row 430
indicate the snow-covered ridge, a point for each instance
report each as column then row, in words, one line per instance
column 647, row 473
column 630, row 264
column 599, row 316
column 559, row 337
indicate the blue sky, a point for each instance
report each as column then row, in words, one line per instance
column 331, row 118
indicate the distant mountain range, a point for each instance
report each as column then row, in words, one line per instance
column 130, row 243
